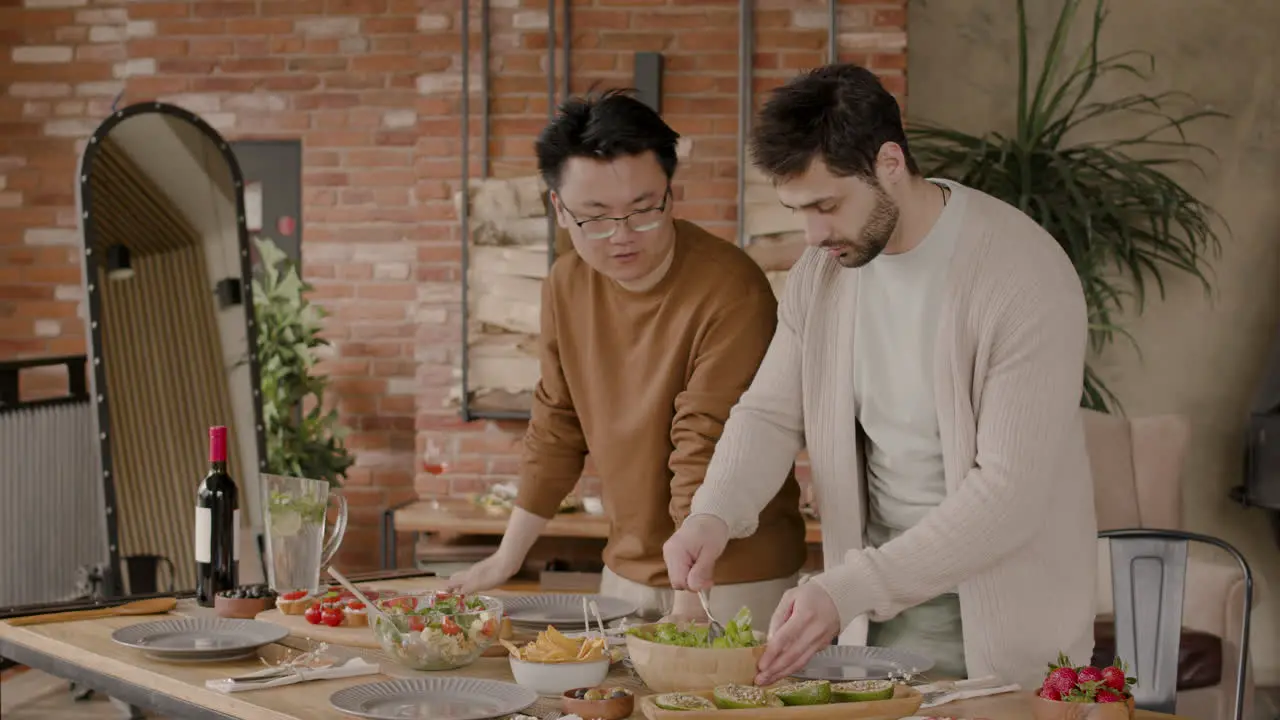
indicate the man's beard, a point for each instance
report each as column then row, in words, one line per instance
column 874, row 236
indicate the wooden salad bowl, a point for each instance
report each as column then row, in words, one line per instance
column 675, row 668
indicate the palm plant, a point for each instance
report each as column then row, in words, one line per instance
column 1121, row 220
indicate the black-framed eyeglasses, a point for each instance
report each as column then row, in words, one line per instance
column 603, row 228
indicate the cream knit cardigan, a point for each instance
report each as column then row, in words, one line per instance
column 1017, row 533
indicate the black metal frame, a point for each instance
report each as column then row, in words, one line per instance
column 468, row 413
column 84, row 199
column 77, row 387
column 1130, row 534
column 387, row 535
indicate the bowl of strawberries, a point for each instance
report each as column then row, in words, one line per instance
column 1072, row 692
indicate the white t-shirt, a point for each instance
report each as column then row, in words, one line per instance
column 899, row 303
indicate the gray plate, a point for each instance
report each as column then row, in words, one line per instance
column 437, row 698
column 562, row 610
column 855, row 662
column 192, row 638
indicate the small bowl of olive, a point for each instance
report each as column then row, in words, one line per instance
column 244, row 602
column 600, row 703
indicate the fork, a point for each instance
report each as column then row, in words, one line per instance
column 715, row 630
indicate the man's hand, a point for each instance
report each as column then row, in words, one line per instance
column 803, row 624
column 691, row 553
column 686, row 608
column 485, row 575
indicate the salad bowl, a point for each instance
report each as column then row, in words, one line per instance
column 671, row 657
column 437, row 630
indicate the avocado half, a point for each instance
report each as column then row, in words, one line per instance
column 861, row 691
column 744, row 697
column 810, row 692
column 681, row 701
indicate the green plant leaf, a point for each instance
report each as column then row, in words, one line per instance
column 289, row 329
column 1121, row 220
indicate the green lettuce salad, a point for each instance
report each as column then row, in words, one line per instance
column 737, row 633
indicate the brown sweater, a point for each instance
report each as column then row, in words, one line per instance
column 644, row 382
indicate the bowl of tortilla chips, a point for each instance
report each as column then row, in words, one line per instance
column 552, row 663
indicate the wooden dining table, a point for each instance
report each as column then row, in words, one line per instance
column 83, row 652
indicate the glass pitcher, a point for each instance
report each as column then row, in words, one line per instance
column 295, row 524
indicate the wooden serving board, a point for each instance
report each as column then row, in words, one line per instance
column 298, row 627
column 363, row 637
column 905, row 702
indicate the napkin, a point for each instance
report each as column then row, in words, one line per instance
column 941, row 693
column 352, row 668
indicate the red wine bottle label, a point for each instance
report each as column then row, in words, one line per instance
column 204, row 535
column 218, row 444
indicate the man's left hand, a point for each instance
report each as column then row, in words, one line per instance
column 803, row 624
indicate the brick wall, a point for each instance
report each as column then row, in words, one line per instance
column 371, row 87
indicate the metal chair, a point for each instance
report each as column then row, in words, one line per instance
column 1148, row 571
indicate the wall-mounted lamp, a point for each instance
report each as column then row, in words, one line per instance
column 229, row 292
column 119, row 266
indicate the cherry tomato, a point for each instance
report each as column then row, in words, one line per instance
column 489, row 628
column 416, row 623
column 332, row 617
column 449, row 627
column 313, row 614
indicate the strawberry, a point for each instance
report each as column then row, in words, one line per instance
column 1114, row 678
column 1049, row 693
column 1106, row 696
column 1062, row 677
column 1088, row 674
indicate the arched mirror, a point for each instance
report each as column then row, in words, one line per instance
column 167, row 276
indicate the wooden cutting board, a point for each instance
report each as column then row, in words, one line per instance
column 298, row 627
column 362, row 637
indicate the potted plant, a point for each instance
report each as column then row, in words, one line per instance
column 1120, row 219
column 304, row 437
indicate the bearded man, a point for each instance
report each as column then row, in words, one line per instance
column 930, row 355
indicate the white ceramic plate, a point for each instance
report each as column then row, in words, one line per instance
column 437, row 698
column 562, row 610
column 193, row 639
column 855, row 662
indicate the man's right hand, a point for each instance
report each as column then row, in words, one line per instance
column 523, row 528
column 691, row 553
column 484, row 575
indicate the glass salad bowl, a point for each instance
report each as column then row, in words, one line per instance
column 437, row 630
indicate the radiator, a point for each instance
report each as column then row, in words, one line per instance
column 52, row 521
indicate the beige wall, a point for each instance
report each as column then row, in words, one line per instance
column 1200, row 357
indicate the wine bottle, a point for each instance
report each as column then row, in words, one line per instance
column 217, row 525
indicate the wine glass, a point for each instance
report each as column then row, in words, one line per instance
column 435, row 462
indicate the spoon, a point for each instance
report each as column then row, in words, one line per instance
column 150, row 606
column 715, row 630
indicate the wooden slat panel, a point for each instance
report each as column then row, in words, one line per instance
column 166, row 383
column 137, row 213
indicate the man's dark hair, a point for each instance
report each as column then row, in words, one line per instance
column 839, row 113
column 604, row 126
